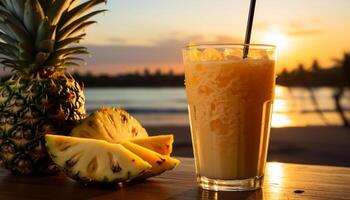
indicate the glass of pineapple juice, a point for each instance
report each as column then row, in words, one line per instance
column 230, row 103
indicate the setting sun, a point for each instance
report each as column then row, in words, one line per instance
column 276, row 38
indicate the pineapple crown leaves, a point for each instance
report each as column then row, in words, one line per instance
column 40, row 35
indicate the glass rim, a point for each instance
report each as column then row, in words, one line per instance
column 227, row 45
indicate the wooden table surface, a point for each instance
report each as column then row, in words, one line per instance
column 282, row 181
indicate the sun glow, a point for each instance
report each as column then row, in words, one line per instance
column 276, row 38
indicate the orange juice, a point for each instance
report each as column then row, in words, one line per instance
column 230, row 102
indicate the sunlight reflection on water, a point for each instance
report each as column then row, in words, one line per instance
column 167, row 106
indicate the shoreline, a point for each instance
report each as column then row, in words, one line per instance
column 318, row 145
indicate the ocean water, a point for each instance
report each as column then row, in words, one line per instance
column 167, row 106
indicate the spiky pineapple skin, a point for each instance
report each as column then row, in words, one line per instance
column 30, row 107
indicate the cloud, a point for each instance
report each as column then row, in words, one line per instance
column 304, row 23
column 122, row 57
column 117, row 40
column 304, row 32
column 119, row 54
column 294, row 27
column 304, row 27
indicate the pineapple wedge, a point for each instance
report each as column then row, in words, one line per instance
column 160, row 163
column 116, row 125
column 162, row 144
column 90, row 160
column 110, row 124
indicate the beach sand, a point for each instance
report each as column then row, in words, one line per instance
column 319, row 145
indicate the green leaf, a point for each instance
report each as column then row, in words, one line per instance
column 33, row 15
column 15, row 63
column 63, row 33
column 5, row 29
column 8, row 5
column 25, row 56
column 8, row 48
column 61, row 53
column 58, row 57
column 46, row 46
column 74, row 64
column 56, row 10
column 55, row 62
column 19, row 32
column 3, row 58
column 74, row 53
column 74, row 59
column 73, row 4
column 45, row 32
column 78, row 52
column 18, row 6
column 8, row 55
column 5, row 15
column 41, row 57
column 80, row 20
column 26, row 47
column 7, row 39
column 81, row 28
column 73, row 14
column 45, row 4
column 64, row 43
column 11, row 64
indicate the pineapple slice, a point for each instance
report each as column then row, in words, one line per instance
column 90, row 160
column 161, row 144
column 116, row 125
column 160, row 163
column 110, row 124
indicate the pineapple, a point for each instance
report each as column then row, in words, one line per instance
column 160, row 163
column 116, row 125
column 161, row 144
column 82, row 155
column 97, row 161
column 110, row 124
column 38, row 42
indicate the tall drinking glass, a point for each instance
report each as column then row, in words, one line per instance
column 230, row 103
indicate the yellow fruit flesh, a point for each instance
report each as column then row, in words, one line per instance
column 160, row 163
column 110, row 124
column 95, row 160
column 161, row 144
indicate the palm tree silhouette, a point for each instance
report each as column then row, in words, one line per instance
column 344, row 82
column 305, row 78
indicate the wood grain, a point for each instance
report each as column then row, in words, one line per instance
column 282, row 181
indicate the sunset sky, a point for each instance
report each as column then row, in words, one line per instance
column 136, row 34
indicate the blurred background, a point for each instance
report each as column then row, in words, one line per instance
column 136, row 63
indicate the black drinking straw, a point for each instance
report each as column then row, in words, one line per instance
column 249, row 28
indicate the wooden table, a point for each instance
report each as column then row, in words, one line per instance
column 282, row 181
